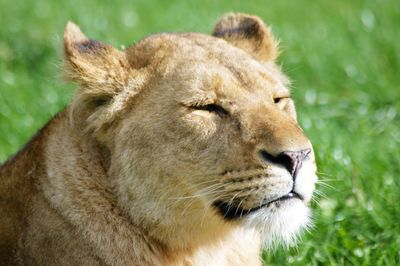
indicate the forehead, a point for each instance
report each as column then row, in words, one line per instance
column 209, row 63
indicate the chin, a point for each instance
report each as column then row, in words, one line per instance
column 280, row 223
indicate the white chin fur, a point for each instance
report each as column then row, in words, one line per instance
column 281, row 225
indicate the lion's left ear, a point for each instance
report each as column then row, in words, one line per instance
column 248, row 33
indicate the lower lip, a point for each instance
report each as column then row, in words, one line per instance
column 230, row 212
column 290, row 195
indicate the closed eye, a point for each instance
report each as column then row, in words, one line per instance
column 212, row 108
column 279, row 99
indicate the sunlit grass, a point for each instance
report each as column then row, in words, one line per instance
column 343, row 57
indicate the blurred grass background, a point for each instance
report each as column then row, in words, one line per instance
column 343, row 57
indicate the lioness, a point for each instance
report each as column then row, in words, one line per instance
column 182, row 149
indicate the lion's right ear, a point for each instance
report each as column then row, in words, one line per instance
column 93, row 64
column 102, row 72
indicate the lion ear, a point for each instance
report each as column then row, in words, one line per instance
column 248, row 33
column 91, row 63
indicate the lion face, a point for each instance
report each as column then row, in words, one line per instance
column 202, row 129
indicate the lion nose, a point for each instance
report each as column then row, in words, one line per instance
column 291, row 160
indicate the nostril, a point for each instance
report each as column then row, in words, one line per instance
column 291, row 160
column 287, row 161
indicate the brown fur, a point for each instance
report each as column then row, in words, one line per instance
column 116, row 178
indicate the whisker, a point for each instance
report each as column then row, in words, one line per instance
column 324, row 174
column 329, row 179
column 209, row 191
column 215, row 180
column 233, row 198
column 191, row 201
column 231, row 201
column 321, row 194
column 202, row 192
column 316, row 201
column 238, row 207
column 216, row 190
column 208, row 205
column 261, row 202
column 323, row 184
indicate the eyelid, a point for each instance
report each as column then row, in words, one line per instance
column 212, row 108
column 278, row 99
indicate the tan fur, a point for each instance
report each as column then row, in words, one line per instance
column 129, row 172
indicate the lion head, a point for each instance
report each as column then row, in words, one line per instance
column 200, row 132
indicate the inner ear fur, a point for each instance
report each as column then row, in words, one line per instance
column 248, row 33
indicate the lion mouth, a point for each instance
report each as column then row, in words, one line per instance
column 230, row 211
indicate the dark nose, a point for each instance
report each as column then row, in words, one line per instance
column 291, row 160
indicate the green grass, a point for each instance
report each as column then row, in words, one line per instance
column 344, row 58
